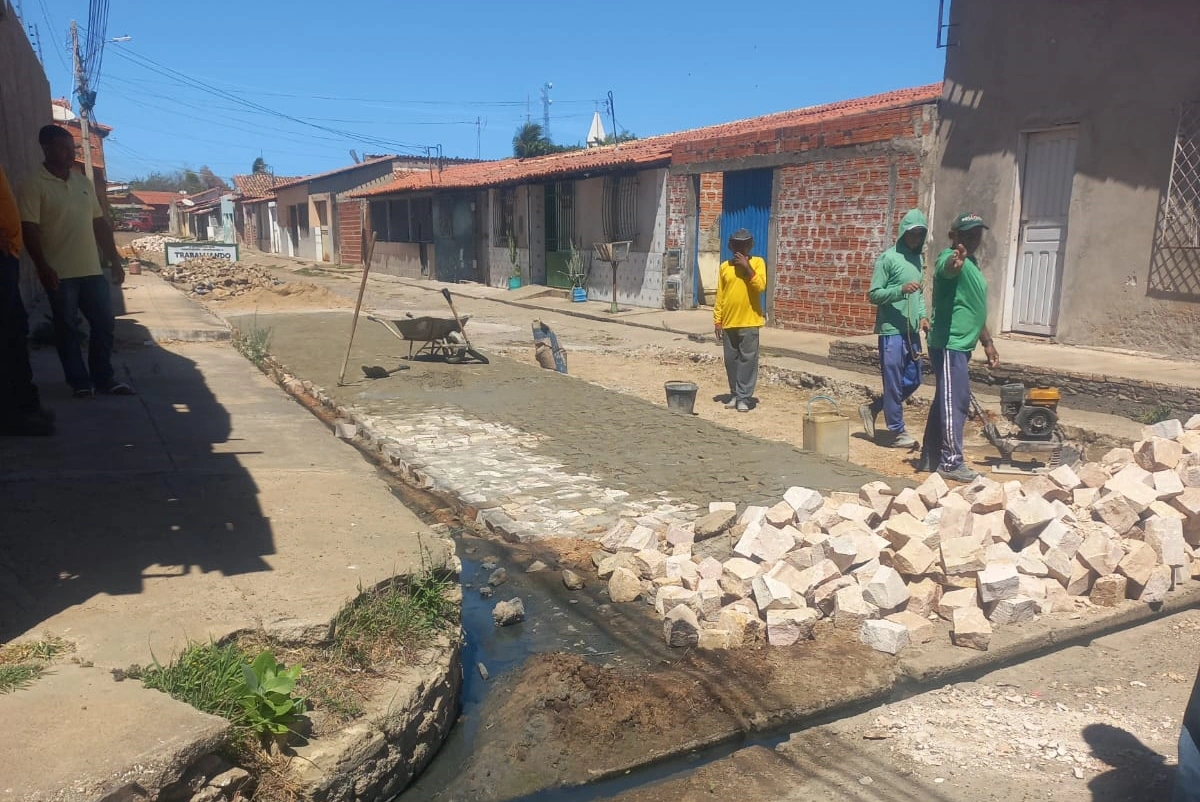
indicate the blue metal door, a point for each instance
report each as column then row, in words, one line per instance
column 746, row 203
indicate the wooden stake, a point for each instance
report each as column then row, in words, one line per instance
column 362, row 289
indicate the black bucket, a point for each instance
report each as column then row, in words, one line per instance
column 681, row 397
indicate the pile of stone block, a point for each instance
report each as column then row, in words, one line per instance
column 220, row 278
column 889, row 564
column 149, row 246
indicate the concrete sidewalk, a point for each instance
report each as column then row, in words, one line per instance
column 208, row 504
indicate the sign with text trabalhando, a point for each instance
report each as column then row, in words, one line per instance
column 179, row 252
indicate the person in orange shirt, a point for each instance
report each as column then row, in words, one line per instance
column 21, row 410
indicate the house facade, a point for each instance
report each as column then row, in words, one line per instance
column 456, row 224
column 1073, row 127
column 821, row 189
column 256, row 211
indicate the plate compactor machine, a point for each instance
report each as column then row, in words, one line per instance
column 1034, row 413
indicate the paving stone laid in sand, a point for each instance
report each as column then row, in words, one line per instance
column 548, row 455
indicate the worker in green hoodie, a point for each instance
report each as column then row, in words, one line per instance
column 900, row 317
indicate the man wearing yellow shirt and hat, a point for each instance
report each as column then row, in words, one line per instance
column 737, row 317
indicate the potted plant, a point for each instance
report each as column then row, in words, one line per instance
column 577, row 272
column 514, row 278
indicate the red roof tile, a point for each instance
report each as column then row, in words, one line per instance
column 154, row 197
column 279, row 184
column 259, row 185
column 641, row 153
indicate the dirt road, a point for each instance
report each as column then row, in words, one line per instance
column 1088, row 723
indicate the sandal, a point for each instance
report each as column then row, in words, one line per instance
column 85, row 392
column 118, row 388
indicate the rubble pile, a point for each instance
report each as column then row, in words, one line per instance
column 149, row 246
column 218, row 278
column 890, row 564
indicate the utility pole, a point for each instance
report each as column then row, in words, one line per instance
column 81, row 93
column 478, row 136
column 612, row 116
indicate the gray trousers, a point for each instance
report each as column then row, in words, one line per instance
column 741, row 361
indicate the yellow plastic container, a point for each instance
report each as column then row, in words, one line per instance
column 828, row 431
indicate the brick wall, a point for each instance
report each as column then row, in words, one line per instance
column 677, row 196
column 248, row 233
column 833, row 218
column 350, row 232
column 907, row 122
column 712, row 191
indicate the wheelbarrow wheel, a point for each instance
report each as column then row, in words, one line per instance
column 478, row 357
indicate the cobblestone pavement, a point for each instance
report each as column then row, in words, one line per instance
column 552, row 456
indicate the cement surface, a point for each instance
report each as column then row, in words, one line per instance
column 209, row 503
column 76, row 734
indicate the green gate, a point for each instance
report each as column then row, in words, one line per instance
column 560, row 231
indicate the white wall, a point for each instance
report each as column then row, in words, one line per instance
column 640, row 277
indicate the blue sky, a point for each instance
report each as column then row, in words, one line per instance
column 388, row 73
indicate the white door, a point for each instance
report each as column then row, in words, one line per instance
column 273, row 226
column 318, row 236
column 1045, row 203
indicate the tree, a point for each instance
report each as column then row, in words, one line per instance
column 184, row 180
column 530, row 140
column 616, row 139
column 260, row 166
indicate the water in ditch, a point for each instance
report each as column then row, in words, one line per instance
column 551, row 625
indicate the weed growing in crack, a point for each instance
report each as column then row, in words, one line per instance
column 395, row 620
column 254, row 343
column 1156, row 414
column 21, row 664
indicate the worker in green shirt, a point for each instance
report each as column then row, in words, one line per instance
column 899, row 320
column 959, row 324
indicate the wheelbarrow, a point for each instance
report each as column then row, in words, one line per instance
column 437, row 336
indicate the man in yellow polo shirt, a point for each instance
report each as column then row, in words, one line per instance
column 65, row 231
column 737, row 317
column 21, row 410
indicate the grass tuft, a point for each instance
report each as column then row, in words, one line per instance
column 254, row 343
column 1156, row 414
column 207, row 676
column 394, row 621
column 14, row 678
column 23, row 663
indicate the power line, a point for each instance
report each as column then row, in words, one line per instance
column 167, row 72
column 61, row 49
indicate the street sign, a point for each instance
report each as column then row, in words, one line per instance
column 178, row 252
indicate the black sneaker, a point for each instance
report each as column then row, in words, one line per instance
column 960, row 474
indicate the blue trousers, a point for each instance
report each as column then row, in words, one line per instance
column 900, row 368
column 942, row 446
column 91, row 295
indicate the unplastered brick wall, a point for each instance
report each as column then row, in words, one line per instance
column 350, row 232
column 834, row 217
column 677, row 201
column 712, row 196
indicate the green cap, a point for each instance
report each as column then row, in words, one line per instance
column 967, row 221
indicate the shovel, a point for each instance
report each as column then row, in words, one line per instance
column 380, row 372
column 461, row 329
